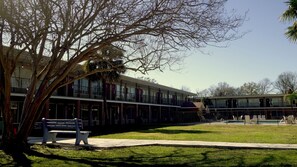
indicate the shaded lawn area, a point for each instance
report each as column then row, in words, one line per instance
column 57, row 155
column 154, row 156
column 283, row 134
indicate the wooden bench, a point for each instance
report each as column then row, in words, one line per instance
column 51, row 127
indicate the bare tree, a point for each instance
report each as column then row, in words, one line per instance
column 203, row 93
column 249, row 88
column 222, row 89
column 265, row 86
column 55, row 36
column 286, row 81
column 185, row 88
column 148, row 79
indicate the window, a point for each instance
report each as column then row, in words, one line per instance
column 254, row 103
column 84, row 86
column 85, row 114
column 118, row 88
column 242, row 102
column 96, row 89
column 76, row 87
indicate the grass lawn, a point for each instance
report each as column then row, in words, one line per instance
column 285, row 134
column 171, row 156
column 154, row 156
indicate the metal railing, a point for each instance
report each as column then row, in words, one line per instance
column 19, row 85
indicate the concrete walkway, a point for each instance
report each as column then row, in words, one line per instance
column 117, row 143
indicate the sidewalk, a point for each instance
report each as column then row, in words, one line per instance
column 117, row 143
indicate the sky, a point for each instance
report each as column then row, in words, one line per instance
column 264, row 52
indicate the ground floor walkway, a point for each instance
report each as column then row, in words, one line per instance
column 117, row 143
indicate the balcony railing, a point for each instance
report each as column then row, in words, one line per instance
column 20, row 86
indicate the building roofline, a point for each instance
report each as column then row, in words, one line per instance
column 143, row 82
column 101, row 100
column 246, row 96
column 25, row 61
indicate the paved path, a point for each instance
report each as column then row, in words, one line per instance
column 116, row 143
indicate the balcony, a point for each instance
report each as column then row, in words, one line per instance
column 19, row 85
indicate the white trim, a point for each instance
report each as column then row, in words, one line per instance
column 101, row 100
column 252, row 108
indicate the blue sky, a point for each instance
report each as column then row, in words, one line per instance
column 264, row 52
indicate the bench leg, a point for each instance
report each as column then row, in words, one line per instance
column 49, row 136
column 45, row 137
column 82, row 137
column 53, row 137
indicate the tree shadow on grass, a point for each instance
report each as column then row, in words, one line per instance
column 16, row 153
column 18, row 159
column 178, row 156
column 133, row 160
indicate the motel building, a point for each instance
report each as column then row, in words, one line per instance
column 129, row 100
column 136, row 101
column 267, row 106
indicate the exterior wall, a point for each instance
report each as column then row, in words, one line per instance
column 129, row 101
column 272, row 106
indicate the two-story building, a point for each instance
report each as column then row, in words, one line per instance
column 272, row 106
column 129, row 100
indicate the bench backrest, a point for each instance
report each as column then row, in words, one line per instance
column 62, row 124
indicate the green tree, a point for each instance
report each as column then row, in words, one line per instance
column 110, row 61
column 290, row 15
column 290, row 98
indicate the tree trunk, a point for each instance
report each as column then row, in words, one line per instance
column 27, row 124
column 16, row 138
column 2, row 93
column 8, row 136
column 31, row 113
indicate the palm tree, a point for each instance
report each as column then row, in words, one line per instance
column 291, row 15
column 290, row 98
column 109, row 59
